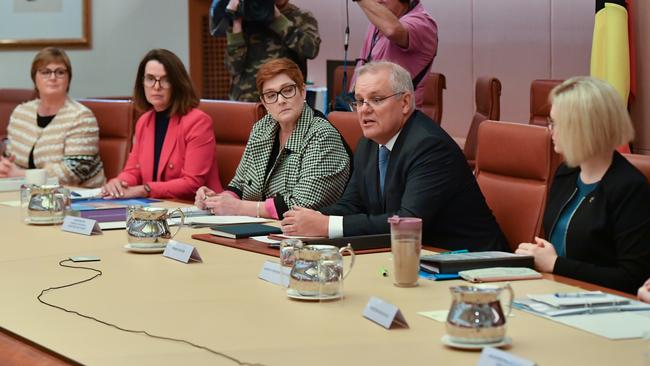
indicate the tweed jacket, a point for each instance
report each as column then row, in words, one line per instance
column 311, row 170
column 68, row 147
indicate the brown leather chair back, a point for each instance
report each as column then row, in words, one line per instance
column 337, row 82
column 433, row 87
column 348, row 125
column 513, row 169
column 116, row 125
column 540, row 108
column 233, row 122
column 9, row 99
column 641, row 162
column 488, row 106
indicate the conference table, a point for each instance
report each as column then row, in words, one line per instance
column 223, row 305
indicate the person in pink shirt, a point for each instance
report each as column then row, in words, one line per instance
column 173, row 152
column 403, row 32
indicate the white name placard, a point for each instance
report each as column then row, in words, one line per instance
column 275, row 273
column 384, row 313
column 496, row 357
column 80, row 225
column 181, row 252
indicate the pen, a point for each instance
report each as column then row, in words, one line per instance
column 581, row 294
column 456, row 251
column 383, row 271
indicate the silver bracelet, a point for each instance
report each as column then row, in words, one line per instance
column 257, row 211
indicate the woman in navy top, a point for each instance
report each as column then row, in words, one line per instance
column 597, row 216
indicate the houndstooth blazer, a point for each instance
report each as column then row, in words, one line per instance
column 311, row 170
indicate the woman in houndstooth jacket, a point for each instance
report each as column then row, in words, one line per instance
column 294, row 156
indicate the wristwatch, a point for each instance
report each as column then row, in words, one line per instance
column 147, row 189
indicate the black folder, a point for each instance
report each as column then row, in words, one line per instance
column 360, row 242
column 454, row 263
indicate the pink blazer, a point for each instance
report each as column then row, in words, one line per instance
column 187, row 160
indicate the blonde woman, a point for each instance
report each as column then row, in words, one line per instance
column 54, row 132
column 597, row 219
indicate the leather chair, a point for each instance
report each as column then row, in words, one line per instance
column 337, row 83
column 513, row 169
column 116, row 125
column 641, row 162
column 433, row 88
column 233, row 122
column 348, row 125
column 488, row 107
column 9, row 99
column 540, row 108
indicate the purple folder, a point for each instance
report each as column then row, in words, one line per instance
column 105, row 215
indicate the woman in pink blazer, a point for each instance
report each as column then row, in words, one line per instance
column 173, row 152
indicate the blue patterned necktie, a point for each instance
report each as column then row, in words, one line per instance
column 384, row 154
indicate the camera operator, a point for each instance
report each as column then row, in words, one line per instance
column 288, row 32
column 403, row 32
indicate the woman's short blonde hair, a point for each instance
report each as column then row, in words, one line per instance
column 590, row 118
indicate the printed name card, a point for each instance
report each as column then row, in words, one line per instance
column 496, row 357
column 385, row 314
column 275, row 273
column 181, row 252
column 79, row 225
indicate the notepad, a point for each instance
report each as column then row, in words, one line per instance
column 499, row 274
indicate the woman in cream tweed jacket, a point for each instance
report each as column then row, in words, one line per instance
column 54, row 132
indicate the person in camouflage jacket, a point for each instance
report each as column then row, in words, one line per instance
column 293, row 33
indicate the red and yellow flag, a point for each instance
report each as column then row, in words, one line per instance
column 611, row 46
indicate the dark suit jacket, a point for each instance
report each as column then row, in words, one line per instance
column 608, row 239
column 427, row 177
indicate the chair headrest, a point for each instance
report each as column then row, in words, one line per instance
column 514, row 150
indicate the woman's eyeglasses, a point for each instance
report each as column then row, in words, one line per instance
column 287, row 92
column 58, row 73
column 150, row 82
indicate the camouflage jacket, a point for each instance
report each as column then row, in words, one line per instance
column 294, row 34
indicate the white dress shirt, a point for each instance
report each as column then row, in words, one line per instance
column 335, row 227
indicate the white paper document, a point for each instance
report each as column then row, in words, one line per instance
column 82, row 194
column 623, row 325
column 13, row 184
column 615, row 304
column 112, row 225
column 11, row 203
column 265, row 239
column 217, row 220
column 616, row 318
column 193, row 211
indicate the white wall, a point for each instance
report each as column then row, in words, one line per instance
column 514, row 40
column 122, row 32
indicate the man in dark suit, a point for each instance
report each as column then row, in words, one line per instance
column 405, row 165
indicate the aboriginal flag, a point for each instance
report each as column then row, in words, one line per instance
column 612, row 51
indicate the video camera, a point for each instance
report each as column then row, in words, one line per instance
column 253, row 12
